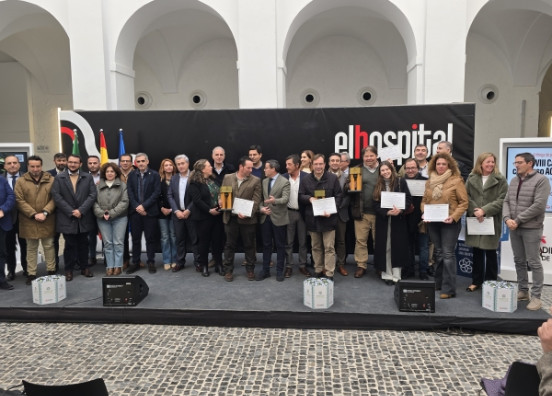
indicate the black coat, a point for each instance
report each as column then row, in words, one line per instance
column 67, row 200
column 399, row 232
column 330, row 184
column 201, row 198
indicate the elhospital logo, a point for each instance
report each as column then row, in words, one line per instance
column 356, row 139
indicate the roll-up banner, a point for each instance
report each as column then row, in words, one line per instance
column 279, row 132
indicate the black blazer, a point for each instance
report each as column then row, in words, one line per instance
column 152, row 189
column 174, row 194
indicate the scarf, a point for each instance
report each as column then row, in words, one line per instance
column 436, row 183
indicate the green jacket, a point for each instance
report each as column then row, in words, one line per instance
column 490, row 198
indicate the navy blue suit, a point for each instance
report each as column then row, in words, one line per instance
column 13, row 236
column 7, row 202
column 147, row 224
column 183, row 228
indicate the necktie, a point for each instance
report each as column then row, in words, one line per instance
column 141, row 187
column 14, row 178
column 270, row 185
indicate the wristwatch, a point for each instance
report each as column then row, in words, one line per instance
column 45, row 213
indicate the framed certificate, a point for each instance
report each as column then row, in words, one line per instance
column 436, row 212
column 324, row 205
column 486, row 227
column 390, row 199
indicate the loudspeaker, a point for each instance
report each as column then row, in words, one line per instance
column 123, row 290
column 95, row 387
column 415, row 296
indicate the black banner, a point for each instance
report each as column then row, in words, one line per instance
column 280, row 132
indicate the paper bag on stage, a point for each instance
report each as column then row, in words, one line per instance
column 499, row 296
column 49, row 289
column 318, row 293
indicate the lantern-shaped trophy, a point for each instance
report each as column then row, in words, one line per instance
column 226, row 198
column 355, row 180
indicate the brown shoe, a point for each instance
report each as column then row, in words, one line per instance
column 142, row 265
column 125, row 264
column 86, row 272
column 341, row 269
column 117, row 271
column 288, row 272
column 359, row 273
column 228, row 277
column 109, row 272
column 68, row 276
column 250, row 275
column 304, row 271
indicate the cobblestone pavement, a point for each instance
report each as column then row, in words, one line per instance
column 178, row 360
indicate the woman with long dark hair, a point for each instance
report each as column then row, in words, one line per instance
column 390, row 252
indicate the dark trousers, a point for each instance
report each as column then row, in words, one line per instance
column 12, row 237
column 186, row 235
column 485, row 266
column 278, row 233
column 76, row 250
column 93, row 241
column 218, row 239
column 205, row 233
column 340, row 242
column 147, row 225
column 247, row 232
column 2, row 255
column 126, row 251
column 56, row 248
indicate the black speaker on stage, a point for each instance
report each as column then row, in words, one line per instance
column 415, row 296
column 123, row 290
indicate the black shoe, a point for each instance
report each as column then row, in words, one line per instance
column 6, row 286
column 30, row 279
column 431, row 271
column 424, row 277
column 389, row 282
column 318, row 274
column 262, row 276
column 329, row 278
column 151, row 268
column 205, row 271
column 176, row 268
column 133, row 268
column 52, row 272
column 280, row 277
column 407, row 275
column 87, row 273
column 10, row 277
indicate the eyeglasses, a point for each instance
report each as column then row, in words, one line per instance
column 411, row 168
column 125, row 161
column 519, row 162
column 138, row 161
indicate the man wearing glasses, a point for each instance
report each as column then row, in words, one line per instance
column 143, row 189
column 523, row 213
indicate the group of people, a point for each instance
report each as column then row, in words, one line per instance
column 208, row 207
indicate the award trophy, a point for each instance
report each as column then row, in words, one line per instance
column 319, row 194
column 355, row 180
column 226, row 198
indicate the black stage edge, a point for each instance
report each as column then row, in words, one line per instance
column 270, row 319
column 187, row 298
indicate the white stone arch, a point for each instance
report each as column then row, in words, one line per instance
column 343, row 20
column 509, row 51
column 35, row 68
column 156, row 25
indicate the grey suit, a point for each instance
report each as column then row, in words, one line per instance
column 274, row 225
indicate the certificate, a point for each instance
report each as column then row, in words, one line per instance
column 390, row 199
column 391, row 152
column 324, row 205
column 484, row 228
column 243, row 207
column 416, row 187
column 436, row 212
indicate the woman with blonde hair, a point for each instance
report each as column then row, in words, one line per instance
column 306, row 161
column 445, row 186
column 168, row 236
column 486, row 188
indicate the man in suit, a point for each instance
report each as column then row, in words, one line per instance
column 342, row 215
column 181, row 205
column 143, row 187
column 13, row 172
column 248, row 187
column 60, row 162
column 74, row 193
column 7, row 203
column 125, row 164
column 296, row 225
column 274, row 218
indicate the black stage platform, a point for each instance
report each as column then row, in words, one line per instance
column 187, row 298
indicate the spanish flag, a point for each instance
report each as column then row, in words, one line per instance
column 104, row 158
